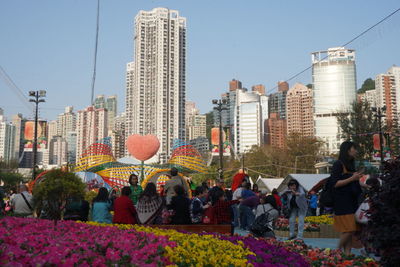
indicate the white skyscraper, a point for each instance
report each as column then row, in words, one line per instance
column 7, row 140
column 334, row 90
column 248, row 120
column 91, row 126
column 156, row 80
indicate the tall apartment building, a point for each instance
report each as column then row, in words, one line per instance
column 52, row 129
column 368, row 96
column 7, row 140
column 388, row 94
column 109, row 103
column 156, row 80
column 58, row 151
column 276, row 130
column 334, row 90
column 277, row 101
column 299, row 111
column 118, row 137
column 91, row 126
column 19, row 124
column 100, row 101
column 71, row 146
column 66, row 122
column 195, row 123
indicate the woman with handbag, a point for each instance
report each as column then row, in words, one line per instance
column 346, row 193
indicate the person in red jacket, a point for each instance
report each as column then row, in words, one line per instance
column 124, row 210
column 277, row 198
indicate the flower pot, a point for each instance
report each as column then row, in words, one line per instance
column 311, row 234
column 281, row 233
column 327, row 231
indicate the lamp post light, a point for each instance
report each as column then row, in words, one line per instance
column 220, row 105
column 37, row 97
column 379, row 115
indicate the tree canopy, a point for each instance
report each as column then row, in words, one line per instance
column 358, row 125
column 368, row 84
column 56, row 187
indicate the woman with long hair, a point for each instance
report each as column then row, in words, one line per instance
column 347, row 191
column 150, row 205
column 101, row 207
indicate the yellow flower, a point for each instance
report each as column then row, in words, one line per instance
column 196, row 250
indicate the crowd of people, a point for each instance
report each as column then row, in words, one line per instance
column 241, row 206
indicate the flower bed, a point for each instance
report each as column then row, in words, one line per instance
column 314, row 227
column 262, row 252
column 36, row 242
column 282, row 224
column 322, row 219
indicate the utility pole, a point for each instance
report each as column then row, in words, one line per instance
column 379, row 115
column 37, row 97
column 220, row 106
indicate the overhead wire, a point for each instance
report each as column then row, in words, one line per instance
column 12, row 85
column 345, row 44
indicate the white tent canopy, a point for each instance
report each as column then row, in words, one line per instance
column 307, row 181
column 268, row 183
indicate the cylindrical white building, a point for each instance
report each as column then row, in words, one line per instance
column 334, row 90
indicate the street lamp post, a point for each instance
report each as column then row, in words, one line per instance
column 37, row 97
column 220, row 106
column 379, row 115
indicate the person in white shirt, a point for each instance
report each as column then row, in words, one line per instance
column 22, row 203
column 236, row 196
column 268, row 205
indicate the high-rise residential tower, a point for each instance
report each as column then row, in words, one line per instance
column 388, row 95
column 156, row 81
column 299, row 112
column 118, row 137
column 66, row 122
column 7, row 140
column 195, row 122
column 111, row 106
column 334, row 90
column 91, row 126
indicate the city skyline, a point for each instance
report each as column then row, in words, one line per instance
column 260, row 62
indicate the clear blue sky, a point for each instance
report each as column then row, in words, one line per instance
column 47, row 44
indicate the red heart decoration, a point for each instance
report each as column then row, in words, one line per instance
column 142, row 147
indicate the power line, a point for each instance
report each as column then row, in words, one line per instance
column 95, row 51
column 11, row 84
column 347, row 43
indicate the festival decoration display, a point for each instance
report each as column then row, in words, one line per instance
column 98, row 158
column 142, row 147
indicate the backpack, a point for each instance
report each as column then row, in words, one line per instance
column 196, row 218
column 327, row 194
column 261, row 224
